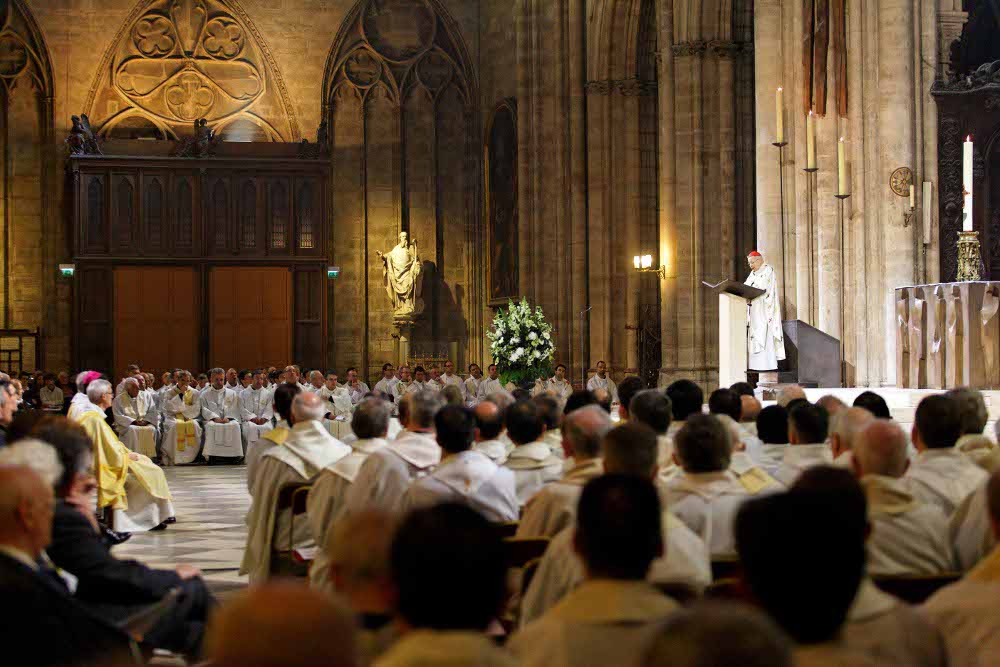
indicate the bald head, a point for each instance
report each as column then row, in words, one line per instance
column 26, row 506
column 791, row 393
column 308, row 406
column 750, row 407
column 489, row 421
column 845, row 428
column 831, row 404
column 880, row 449
column 583, row 430
column 282, row 624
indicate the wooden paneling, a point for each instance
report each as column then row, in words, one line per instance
column 93, row 212
column 93, row 331
column 251, row 316
column 156, row 318
column 310, row 294
column 124, row 214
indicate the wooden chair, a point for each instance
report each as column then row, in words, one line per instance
column 915, row 589
column 522, row 550
column 507, row 528
column 283, row 561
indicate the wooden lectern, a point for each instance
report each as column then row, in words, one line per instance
column 734, row 339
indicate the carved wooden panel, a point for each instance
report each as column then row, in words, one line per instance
column 308, row 334
column 279, row 215
column 154, row 214
column 124, row 223
column 249, row 222
column 251, row 316
column 218, row 224
column 308, row 207
column 95, row 296
column 93, row 211
column 184, row 210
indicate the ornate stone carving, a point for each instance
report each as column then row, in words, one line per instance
column 399, row 29
column 176, row 61
column 401, row 279
column 201, row 143
column 690, row 48
column 627, row 87
column 81, row 139
column 721, row 49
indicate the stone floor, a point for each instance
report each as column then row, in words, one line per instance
column 210, row 533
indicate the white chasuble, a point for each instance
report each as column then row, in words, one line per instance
column 127, row 411
column 767, row 340
column 255, row 404
column 222, row 439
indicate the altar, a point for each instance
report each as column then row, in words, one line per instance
column 948, row 335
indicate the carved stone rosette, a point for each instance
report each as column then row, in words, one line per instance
column 968, row 257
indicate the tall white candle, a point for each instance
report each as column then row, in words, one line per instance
column 927, row 200
column 780, row 117
column 841, row 168
column 967, row 184
column 811, row 141
column 913, row 196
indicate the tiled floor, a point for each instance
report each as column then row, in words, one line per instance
column 210, row 533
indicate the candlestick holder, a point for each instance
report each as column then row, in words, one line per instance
column 968, row 257
column 780, row 145
column 843, row 290
column 908, row 216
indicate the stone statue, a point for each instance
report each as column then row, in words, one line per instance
column 202, row 143
column 81, row 139
column 401, row 276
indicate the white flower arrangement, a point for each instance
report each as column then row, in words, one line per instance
column 517, row 360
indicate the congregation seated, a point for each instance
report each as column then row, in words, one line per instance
column 974, row 443
column 611, row 615
column 41, row 617
column 552, row 509
column 967, row 612
column 220, row 413
column 808, row 427
column 908, row 536
column 387, row 473
column 551, row 411
column 531, row 460
column 282, row 399
column 489, row 428
column 726, row 406
column 654, row 409
column 51, row 395
column 629, row 449
column 131, row 486
column 134, row 424
column 844, row 429
column 181, row 426
column 328, row 496
column 308, row 449
column 833, row 405
column 449, row 572
column 464, row 476
column 940, row 474
column 256, row 409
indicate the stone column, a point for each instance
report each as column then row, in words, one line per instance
column 669, row 310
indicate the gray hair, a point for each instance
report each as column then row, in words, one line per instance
column 789, row 394
column 315, row 373
column 849, row 423
column 501, row 399
column 130, row 380
column 79, row 380
column 216, row 371
column 417, row 409
column 35, row 454
column 585, row 429
column 880, row 449
column 96, row 390
column 972, row 409
column 371, row 418
column 308, row 406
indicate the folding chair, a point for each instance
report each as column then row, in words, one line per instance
column 283, row 561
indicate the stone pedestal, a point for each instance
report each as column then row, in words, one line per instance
column 402, row 341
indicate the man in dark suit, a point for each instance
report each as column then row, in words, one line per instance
column 112, row 588
column 41, row 619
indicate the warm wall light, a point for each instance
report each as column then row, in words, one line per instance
column 637, row 261
column 644, row 264
column 647, row 261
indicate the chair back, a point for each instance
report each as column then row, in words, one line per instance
column 915, row 589
column 292, row 496
column 522, row 550
column 507, row 528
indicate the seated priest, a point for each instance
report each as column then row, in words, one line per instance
column 256, row 411
column 308, row 449
column 131, row 408
column 282, row 396
column 129, row 484
column 220, row 411
column 472, row 384
column 490, row 385
column 532, row 461
column 51, row 395
column 388, row 381
column 559, row 385
column 181, row 430
column 356, row 388
column 603, row 381
column 110, row 587
column 449, row 378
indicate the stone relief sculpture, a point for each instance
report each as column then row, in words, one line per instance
column 81, row 139
column 401, row 277
column 201, row 143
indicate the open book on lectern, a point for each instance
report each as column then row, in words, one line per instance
column 735, row 288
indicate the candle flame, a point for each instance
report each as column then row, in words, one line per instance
column 969, row 138
column 810, row 112
column 780, row 88
column 841, row 138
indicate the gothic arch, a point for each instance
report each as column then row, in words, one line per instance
column 614, row 32
column 175, row 61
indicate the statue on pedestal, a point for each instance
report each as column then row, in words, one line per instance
column 767, row 339
column 401, row 277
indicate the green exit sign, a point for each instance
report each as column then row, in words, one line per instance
column 332, row 272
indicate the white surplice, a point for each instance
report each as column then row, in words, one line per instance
column 606, row 383
column 799, row 458
column 327, row 501
column 767, row 338
column 454, row 381
column 356, row 393
column 944, row 477
column 534, row 466
column 488, row 386
column 971, row 531
column 553, row 438
column 387, row 473
column 127, row 411
column 469, row 478
column 602, row 622
column 307, row 450
column 387, row 386
column 553, row 508
column 685, row 560
column 707, row 503
column 181, row 413
column 908, row 536
column 561, row 388
column 472, row 390
column 222, row 439
column 497, row 450
column 255, row 404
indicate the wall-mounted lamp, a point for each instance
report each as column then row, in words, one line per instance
column 644, row 264
column 67, row 270
column 332, row 272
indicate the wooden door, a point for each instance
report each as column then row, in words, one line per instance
column 156, row 318
column 251, row 317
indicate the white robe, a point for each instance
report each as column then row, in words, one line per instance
column 799, row 458
column 606, row 383
column 908, row 537
column 561, row 388
column 387, row 386
column 222, row 439
column 469, row 478
column 453, row 380
column 890, row 631
column 308, row 449
column 553, row 508
column 416, row 385
column 327, row 501
column 357, row 393
column 944, row 477
column 971, row 530
column 534, row 466
column 497, row 450
column 254, row 453
column 255, row 404
column 387, row 473
column 127, row 411
column 190, row 409
column 488, row 386
column 77, row 405
column 707, row 503
column 472, row 390
column 767, row 339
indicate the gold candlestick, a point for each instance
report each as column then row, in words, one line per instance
column 968, row 257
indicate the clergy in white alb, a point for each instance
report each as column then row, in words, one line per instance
column 256, row 410
column 808, row 427
column 328, row 496
column 402, row 384
column 472, row 384
column 971, row 531
column 308, row 449
column 315, row 382
column 419, row 383
column 130, row 408
column 388, row 381
column 490, row 432
column 220, row 411
column 168, row 382
column 449, row 378
column 356, row 389
column 51, row 395
column 559, row 385
column 181, row 428
column 553, row 508
column 490, row 384
column 532, row 461
column 387, row 473
column 908, row 537
column 940, row 474
column 601, row 380
column 767, row 339
column 282, row 396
